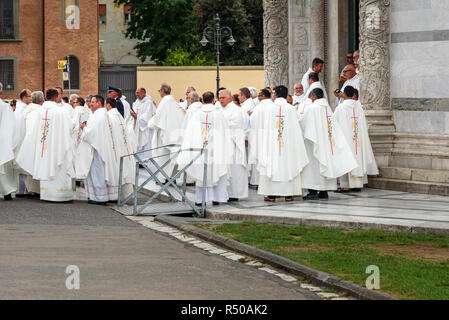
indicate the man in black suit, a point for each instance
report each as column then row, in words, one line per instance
column 113, row 93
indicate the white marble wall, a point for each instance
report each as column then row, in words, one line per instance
column 420, row 65
column 419, row 69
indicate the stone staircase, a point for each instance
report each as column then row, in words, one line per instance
column 412, row 162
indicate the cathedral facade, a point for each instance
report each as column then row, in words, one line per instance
column 404, row 57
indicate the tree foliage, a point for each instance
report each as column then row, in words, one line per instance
column 169, row 30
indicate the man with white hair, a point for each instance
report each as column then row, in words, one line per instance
column 254, row 95
column 167, row 126
column 37, row 100
column 238, row 188
column 8, row 141
column 72, row 99
column 194, row 105
column 298, row 95
column 185, row 103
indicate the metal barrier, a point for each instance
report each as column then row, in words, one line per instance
column 170, row 181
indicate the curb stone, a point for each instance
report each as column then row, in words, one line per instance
column 315, row 276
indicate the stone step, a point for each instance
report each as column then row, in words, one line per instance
column 417, row 161
column 413, row 174
column 410, row 186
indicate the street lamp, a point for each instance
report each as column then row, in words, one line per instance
column 219, row 34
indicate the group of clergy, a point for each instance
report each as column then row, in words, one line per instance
column 264, row 142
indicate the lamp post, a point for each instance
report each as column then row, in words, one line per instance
column 219, row 34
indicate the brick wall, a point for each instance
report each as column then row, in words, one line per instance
column 59, row 42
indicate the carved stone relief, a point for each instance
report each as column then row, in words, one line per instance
column 375, row 54
column 276, row 42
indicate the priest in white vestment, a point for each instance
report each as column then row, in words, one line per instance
column 255, row 136
column 83, row 152
column 329, row 153
column 238, row 187
column 193, row 105
column 102, row 180
column 351, row 117
column 142, row 111
column 314, row 83
column 208, row 129
column 37, row 100
column 282, row 156
column 317, row 67
column 62, row 104
column 46, row 152
column 125, row 143
column 298, row 95
column 8, row 141
column 352, row 79
column 185, row 104
column 167, row 125
column 126, row 105
column 19, row 114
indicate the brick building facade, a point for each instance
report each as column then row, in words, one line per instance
column 35, row 34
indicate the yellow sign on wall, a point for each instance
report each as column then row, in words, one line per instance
column 62, row 64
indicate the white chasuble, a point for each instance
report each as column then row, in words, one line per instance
column 255, row 139
column 329, row 153
column 145, row 110
column 83, row 152
column 238, row 187
column 167, row 125
column 351, row 118
column 102, row 181
column 126, row 144
column 47, row 152
column 283, row 154
column 8, row 143
column 208, row 129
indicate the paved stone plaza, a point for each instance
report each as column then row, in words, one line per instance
column 371, row 208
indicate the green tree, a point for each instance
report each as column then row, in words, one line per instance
column 233, row 14
column 170, row 30
column 161, row 25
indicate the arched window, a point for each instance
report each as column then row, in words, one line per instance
column 74, row 73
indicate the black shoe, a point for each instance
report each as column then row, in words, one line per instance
column 97, row 203
column 289, row 199
column 233, row 199
column 199, row 204
column 20, row 195
column 323, row 195
column 311, row 197
column 7, row 197
column 355, row 190
column 215, row 203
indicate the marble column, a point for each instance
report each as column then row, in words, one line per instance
column 333, row 49
column 375, row 54
column 276, row 55
column 317, row 29
column 300, row 40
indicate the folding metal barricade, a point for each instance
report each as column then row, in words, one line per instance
column 176, row 207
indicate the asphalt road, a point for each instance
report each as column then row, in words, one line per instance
column 117, row 259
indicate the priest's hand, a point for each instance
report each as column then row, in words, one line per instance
column 250, row 112
column 82, row 125
column 134, row 115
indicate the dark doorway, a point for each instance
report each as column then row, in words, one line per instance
column 124, row 78
column 353, row 25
